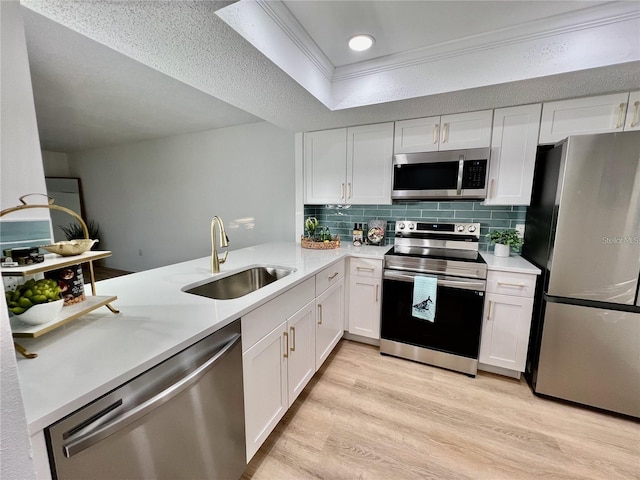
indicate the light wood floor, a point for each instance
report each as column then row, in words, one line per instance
column 368, row 416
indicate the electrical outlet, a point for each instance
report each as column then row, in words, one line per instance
column 520, row 229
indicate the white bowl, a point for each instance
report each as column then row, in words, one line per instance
column 41, row 313
column 70, row 248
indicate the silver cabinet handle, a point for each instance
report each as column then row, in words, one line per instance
column 93, row 437
column 507, row 284
column 348, row 190
column 341, row 190
column 286, row 344
column 320, row 314
column 489, row 314
column 621, row 109
column 436, row 133
column 333, row 276
column 445, row 132
column 293, row 338
column 366, row 269
column 377, row 288
column 636, row 111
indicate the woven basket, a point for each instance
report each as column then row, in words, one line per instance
column 326, row 245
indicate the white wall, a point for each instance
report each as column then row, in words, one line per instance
column 56, row 164
column 21, row 161
column 159, row 196
column 21, row 173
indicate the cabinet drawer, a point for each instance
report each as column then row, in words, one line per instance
column 507, row 283
column 259, row 322
column 329, row 276
column 365, row 267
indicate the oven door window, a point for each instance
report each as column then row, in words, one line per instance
column 426, row 176
column 457, row 324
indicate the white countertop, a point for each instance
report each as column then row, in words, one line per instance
column 94, row 354
column 512, row 263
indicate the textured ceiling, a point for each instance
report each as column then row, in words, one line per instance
column 88, row 95
column 186, row 41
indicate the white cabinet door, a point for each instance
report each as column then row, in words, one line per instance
column 265, row 387
column 466, row 130
column 580, row 116
column 329, row 321
column 325, row 160
column 369, row 164
column 302, row 350
column 505, row 331
column 364, row 307
column 633, row 112
column 417, row 135
column 513, row 155
column 449, row 132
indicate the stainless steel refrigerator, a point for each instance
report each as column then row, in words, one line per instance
column 583, row 232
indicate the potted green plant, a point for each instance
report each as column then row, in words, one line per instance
column 504, row 241
column 74, row 230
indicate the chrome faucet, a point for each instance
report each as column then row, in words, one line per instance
column 224, row 242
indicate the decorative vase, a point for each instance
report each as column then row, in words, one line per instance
column 501, row 250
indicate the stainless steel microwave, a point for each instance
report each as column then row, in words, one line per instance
column 450, row 175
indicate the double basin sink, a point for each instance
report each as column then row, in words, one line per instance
column 238, row 284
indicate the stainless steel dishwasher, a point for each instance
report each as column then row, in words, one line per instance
column 183, row 419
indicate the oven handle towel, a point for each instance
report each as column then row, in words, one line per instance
column 424, row 297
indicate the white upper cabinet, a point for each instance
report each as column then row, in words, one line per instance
column 417, row 135
column 349, row 165
column 325, row 166
column 581, row 116
column 448, row 132
column 513, row 155
column 633, row 112
column 369, row 164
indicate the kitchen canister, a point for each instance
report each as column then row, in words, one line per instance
column 71, row 282
column 375, row 232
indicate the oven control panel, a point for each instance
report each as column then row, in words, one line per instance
column 453, row 229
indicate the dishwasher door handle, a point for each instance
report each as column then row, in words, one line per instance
column 92, row 437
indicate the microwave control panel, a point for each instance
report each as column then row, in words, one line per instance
column 474, row 174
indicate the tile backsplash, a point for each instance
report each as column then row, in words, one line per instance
column 340, row 218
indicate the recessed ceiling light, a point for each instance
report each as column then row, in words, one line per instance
column 361, row 42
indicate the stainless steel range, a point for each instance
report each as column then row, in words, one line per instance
column 448, row 254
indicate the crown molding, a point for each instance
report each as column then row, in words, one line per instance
column 282, row 17
column 590, row 18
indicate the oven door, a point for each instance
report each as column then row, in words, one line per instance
column 458, row 317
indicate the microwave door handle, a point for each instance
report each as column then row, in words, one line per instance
column 460, row 171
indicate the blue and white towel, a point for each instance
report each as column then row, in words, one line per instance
column 424, row 298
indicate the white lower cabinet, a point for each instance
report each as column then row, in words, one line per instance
column 506, row 324
column 265, row 387
column 329, row 320
column 365, row 279
column 505, row 331
column 276, row 370
column 301, row 329
column 284, row 342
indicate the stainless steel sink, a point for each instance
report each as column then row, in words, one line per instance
column 238, row 284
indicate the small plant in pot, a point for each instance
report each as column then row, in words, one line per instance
column 504, row 240
column 74, row 231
